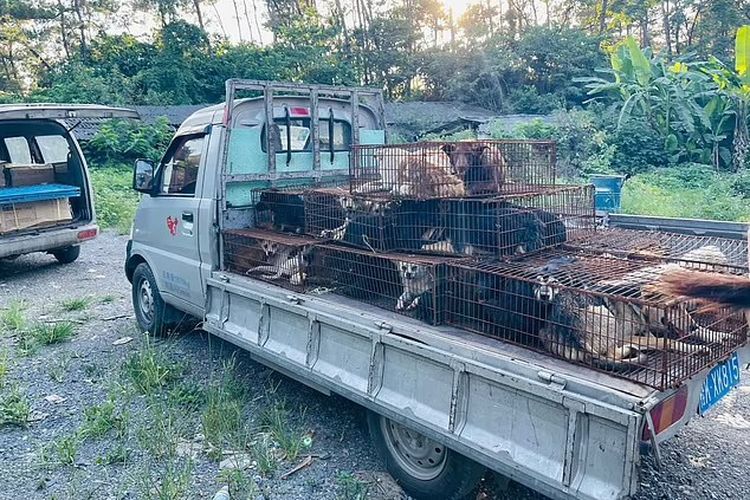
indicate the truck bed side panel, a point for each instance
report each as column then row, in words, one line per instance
column 565, row 445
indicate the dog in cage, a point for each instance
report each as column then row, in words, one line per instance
column 287, row 210
column 412, row 173
column 284, row 262
column 718, row 289
column 480, row 167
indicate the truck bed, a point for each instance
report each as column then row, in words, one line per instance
column 565, row 430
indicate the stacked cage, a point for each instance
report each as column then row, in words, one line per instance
column 483, row 237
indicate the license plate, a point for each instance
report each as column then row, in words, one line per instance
column 721, row 379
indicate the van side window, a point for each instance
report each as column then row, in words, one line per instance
column 18, row 150
column 54, row 148
column 180, row 168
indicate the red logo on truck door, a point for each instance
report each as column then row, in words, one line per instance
column 172, row 225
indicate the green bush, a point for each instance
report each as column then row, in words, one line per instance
column 638, row 148
column 688, row 192
column 114, row 197
column 126, row 140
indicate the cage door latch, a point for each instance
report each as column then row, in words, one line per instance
column 551, row 378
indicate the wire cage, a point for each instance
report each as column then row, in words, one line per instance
column 603, row 312
column 277, row 258
column 412, row 285
column 703, row 253
column 499, row 226
column 428, row 170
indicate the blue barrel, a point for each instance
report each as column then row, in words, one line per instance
column 608, row 192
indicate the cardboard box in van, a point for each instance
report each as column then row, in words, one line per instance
column 19, row 216
column 29, row 175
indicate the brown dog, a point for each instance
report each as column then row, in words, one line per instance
column 480, row 167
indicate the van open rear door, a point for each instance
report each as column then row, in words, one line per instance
column 63, row 111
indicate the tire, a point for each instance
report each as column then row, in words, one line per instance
column 424, row 468
column 151, row 312
column 67, row 255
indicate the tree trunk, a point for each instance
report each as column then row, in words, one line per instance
column 81, row 26
column 257, row 22
column 218, row 18
column 197, row 6
column 63, row 29
column 667, row 30
column 237, row 18
column 603, row 16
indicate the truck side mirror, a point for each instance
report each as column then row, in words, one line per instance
column 143, row 176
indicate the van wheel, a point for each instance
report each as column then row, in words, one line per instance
column 424, row 468
column 67, row 255
column 151, row 312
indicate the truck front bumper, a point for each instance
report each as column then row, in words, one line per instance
column 46, row 240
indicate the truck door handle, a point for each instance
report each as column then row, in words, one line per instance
column 187, row 216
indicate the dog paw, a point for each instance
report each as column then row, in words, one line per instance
column 413, row 305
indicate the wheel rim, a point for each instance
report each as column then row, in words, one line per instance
column 146, row 300
column 420, row 456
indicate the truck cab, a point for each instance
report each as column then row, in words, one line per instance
column 46, row 198
column 443, row 403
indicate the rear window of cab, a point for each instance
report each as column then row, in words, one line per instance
column 293, row 135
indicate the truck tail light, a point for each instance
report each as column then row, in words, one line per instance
column 88, row 234
column 667, row 412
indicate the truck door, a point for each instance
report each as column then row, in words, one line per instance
column 167, row 222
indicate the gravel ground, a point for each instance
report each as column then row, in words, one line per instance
column 154, row 445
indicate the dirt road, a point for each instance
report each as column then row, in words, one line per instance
column 93, row 410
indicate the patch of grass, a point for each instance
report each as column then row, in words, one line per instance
column 77, row 304
column 162, row 431
column 150, row 370
column 172, row 483
column 350, row 487
column 222, row 417
column 239, row 483
column 102, row 418
column 58, row 369
column 15, row 408
column 13, row 317
column 66, row 449
column 4, row 367
column 119, row 454
column 114, row 197
column 275, row 420
column 107, row 299
column 263, row 454
column 186, row 394
column 53, row 333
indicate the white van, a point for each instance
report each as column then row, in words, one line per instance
column 46, row 199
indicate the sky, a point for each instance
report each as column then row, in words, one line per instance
column 221, row 17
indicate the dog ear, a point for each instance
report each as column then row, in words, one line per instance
column 448, row 148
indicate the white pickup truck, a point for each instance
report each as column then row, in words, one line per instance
column 444, row 404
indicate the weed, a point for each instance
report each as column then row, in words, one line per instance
column 100, row 419
column 240, row 485
column 350, row 487
column 4, row 367
column 58, row 369
column 65, row 449
column 221, row 419
column 172, row 483
column 53, row 333
column 77, row 304
column 14, row 408
column 13, row 318
column 161, row 433
column 184, row 394
column 117, row 455
column 149, row 369
column 263, row 454
column 107, row 299
column 275, row 421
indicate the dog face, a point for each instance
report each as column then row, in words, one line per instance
column 411, row 271
column 269, row 248
column 546, row 288
column 464, row 155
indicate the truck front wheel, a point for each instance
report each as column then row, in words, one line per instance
column 151, row 312
column 424, row 468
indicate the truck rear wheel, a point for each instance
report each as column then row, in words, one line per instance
column 67, row 255
column 151, row 312
column 424, row 468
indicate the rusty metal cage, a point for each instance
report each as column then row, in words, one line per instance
column 407, row 284
column 428, row 170
column 604, row 312
column 498, row 226
column 280, row 259
column 703, row 253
